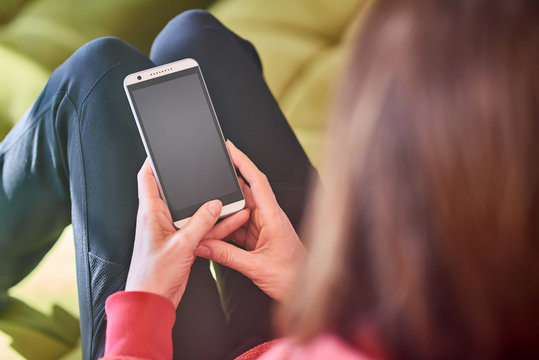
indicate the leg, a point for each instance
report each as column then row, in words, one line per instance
column 79, row 145
column 77, row 148
column 251, row 118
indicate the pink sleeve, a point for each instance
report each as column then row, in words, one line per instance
column 322, row 347
column 139, row 326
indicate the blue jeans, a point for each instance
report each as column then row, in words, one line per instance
column 73, row 158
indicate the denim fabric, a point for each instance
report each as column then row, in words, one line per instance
column 74, row 158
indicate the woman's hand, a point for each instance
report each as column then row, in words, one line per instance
column 273, row 250
column 162, row 255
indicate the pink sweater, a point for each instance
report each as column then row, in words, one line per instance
column 139, row 326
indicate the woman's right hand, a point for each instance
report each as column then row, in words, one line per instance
column 271, row 251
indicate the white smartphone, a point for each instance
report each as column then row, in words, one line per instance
column 183, row 139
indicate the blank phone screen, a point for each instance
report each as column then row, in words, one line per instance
column 185, row 142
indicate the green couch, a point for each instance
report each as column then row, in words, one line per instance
column 302, row 44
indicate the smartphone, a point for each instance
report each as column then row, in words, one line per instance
column 183, row 139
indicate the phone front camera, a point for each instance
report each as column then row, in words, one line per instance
column 139, row 77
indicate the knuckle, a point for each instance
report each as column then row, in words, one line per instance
column 264, row 179
column 225, row 257
column 186, row 236
column 200, row 221
column 208, row 217
column 203, row 219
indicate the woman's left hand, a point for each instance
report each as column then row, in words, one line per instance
column 162, row 255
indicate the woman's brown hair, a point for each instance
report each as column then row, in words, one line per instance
column 426, row 230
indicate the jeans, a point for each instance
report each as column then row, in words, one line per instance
column 74, row 156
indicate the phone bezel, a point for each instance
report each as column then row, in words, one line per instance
column 165, row 71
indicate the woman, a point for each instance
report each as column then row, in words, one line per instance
column 424, row 241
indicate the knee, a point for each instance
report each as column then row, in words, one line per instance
column 193, row 20
column 88, row 65
column 189, row 26
column 104, row 45
column 104, row 51
column 93, row 59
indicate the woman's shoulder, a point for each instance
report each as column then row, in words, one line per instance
column 324, row 346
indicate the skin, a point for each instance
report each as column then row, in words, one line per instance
column 269, row 254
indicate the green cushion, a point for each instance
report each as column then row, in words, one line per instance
column 36, row 335
column 10, row 8
column 22, row 81
column 302, row 44
column 51, row 30
column 43, row 33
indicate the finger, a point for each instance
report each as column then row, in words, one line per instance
column 251, row 238
column 200, row 223
column 239, row 237
column 260, row 187
column 247, row 194
column 226, row 255
column 244, row 238
column 228, row 225
column 147, row 185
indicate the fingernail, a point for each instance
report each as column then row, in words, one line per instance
column 231, row 143
column 215, row 207
column 203, row 251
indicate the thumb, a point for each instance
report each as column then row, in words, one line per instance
column 225, row 254
column 200, row 223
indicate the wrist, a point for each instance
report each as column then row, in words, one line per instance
column 140, row 281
